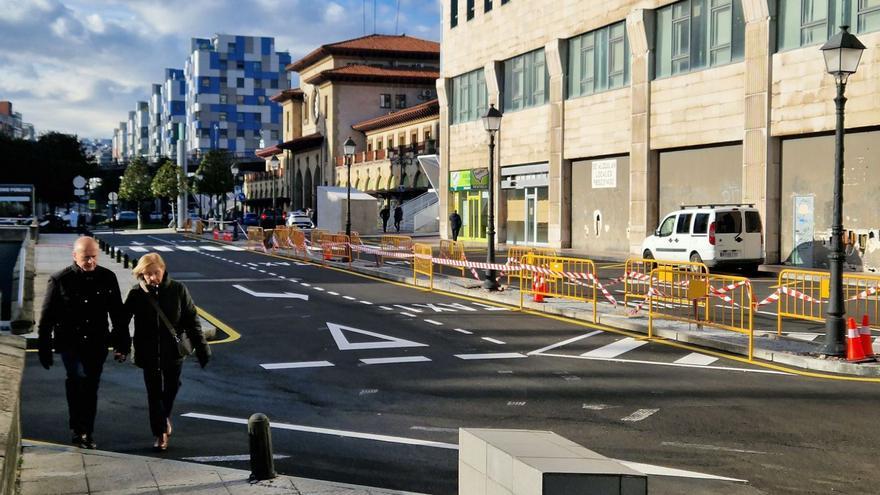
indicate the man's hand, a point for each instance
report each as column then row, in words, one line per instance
column 203, row 358
column 46, row 359
column 119, row 357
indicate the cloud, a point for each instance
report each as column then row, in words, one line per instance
column 79, row 66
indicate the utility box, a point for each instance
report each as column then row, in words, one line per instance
column 528, row 462
column 332, row 209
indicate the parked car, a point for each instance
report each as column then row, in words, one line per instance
column 717, row 235
column 300, row 220
column 268, row 219
column 126, row 216
column 156, row 216
column 250, row 220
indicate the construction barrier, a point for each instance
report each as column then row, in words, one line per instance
column 315, row 237
column 515, row 254
column 560, row 277
column 254, row 238
column 422, row 264
column 720, row 301
column 804, row 295
column 281, row 237
column 298, row 243
column 394, row 243
column 336, row 246
column 356, row 241
column 453, row 250
column 637, row 275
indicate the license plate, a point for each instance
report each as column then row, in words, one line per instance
column 729, row 254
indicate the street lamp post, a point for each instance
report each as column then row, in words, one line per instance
column 492, row 123
column 273, row 165
column 842, row 54
column 234, row 170
column 199, row 177
column 348, row 148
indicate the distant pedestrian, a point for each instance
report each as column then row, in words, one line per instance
column 73, row 321
column 398, row 216
column 163, row 311
column 455, row 223
column 385, row 214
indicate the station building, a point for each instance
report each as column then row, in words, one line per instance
column 617, row 112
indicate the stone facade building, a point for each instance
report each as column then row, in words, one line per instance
column 617, row 112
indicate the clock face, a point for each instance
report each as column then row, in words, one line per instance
column 316, row 109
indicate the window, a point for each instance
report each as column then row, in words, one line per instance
column 286, row 121
column 487, row 5
column 525, row 81
column 753, row 222
column 239, row 65
column 223, row 133
column 273, row 84
column 258, row 83
column 273, row 135
column 305, row 109
column 258, row 117
column 728, row 222
column 261, row 99
column 701, row 223
column 453, row 13
column 258, row 66
column 470, row 9
column 223, row 65
column 222, row 116
column 240, row 133
column 230, row 47
column 222, row 98
column 399, row 101
column 384, row 100
column 239, row 99
column 469, row 96
column 808, row 22
column 696, row 34
column 598, row 61
column 666, row 227
column 206, row 82
column 239, row 82
column 684, row 224
column 379, row 145
column 240, row 117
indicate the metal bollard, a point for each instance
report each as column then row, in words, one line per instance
column 125, row 260
column 118, row 255
column 260, row 440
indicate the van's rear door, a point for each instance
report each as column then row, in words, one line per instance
column 729, row 241
column 753, row 235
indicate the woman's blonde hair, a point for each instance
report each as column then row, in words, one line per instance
column 146, row 261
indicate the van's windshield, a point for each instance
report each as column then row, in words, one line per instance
column 728, row 222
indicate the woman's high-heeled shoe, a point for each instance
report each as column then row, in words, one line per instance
column 161, row 442
column 168, row 427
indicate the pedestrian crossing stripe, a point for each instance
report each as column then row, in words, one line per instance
column 168, row 249
column 164, row 249
column 138, row 249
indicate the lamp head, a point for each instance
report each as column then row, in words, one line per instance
column 348, row 147
column 842, row 53
column 492, row 119
column 273, row 163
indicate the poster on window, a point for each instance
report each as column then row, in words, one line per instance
column 604, row 174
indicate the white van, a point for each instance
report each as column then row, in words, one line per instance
column 729, row 235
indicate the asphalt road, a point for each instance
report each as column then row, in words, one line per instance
column 362, row 357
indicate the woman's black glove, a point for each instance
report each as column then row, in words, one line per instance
column 203, row 355
column 46, row 358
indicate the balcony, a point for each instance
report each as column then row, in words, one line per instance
column 387, row 172
column 428, row 147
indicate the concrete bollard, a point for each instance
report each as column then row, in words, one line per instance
column 260, row 440
column 125, row 260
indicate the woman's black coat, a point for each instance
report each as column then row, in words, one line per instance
column 154, row 346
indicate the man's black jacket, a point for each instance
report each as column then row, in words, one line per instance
column 75, row 311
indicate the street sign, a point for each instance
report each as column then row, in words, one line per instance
column 112, row 198
column 79, row 182
column 93, row 205
column 79, row 192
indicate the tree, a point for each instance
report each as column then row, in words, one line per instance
column 135, row 185
column 167, row 183
column 216, row 174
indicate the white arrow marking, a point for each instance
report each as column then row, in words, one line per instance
column 639, row 415
column 385, row 341
column 279, row 295
column 136, row 243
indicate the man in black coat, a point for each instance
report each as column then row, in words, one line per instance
column 455, row 223
column 384, row 214
column 398, row 216
column 73, row 321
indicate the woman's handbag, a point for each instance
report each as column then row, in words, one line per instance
column 184, row 344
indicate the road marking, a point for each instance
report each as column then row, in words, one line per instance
column 328, row 431
column 566, row 342
column 279, row 295
column 489, row 308
column 160, row 239
column 809, row 337
column 491, row 355
column 332, row 293
column 366, row 303
column 228, row 458
column 319, row 289
column 305, row 284
column 639, row 415
column 650, row 469
column 386, row 308
column 164, row 249
column 233, row 248
column 368, row 391
column 697, row 359
column 300, row 364
column 393, row 360
column 436, row 429
column 210, row 248
column 136, row 243
column 384, row 342
column 516, row 403
column 349, row 298
column 596, row 407
column 494, row 341
column 433, row 322
column 187, row 248
column 262, row 271
column 407, row 308
column 616, row 348
column 273, row 274
column 138, row 249
column 699, row 446
column 408, row 314
column 461, row 330
column 660, row 363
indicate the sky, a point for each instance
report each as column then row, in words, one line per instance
column 79, row 67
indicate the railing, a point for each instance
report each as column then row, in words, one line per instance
column 637, row 274
column 556, row 276
column 804, row 295
column 428, row 147
column 423, row 264
column 516, row 253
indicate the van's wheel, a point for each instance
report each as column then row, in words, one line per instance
column 695, row 257
column 647, row 255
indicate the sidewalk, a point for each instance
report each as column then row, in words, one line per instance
column 50, row 469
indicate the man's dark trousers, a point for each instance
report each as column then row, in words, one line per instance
column 84, row 367
column 455, row 231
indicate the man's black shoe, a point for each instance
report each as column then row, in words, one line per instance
column 89, row 442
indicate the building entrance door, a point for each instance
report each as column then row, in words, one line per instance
column 473, row 216
column 531, row 216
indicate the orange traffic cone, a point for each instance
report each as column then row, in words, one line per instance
column 216, row 234
column 854, row 351
column 537, row 288
column 865, row 336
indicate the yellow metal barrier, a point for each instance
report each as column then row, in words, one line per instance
column 804, row 295
column 298, row 241
column 720, row 301
column 577, row 286
column 356, row 241
column 452, row 250
column 422, row 264
column 515, row 253
column 396, row 243
column 637, row 275
column 254, row 237
column 336, row 246
column 282, row 236
column 315, row 237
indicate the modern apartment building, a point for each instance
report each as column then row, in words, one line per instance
column 173, row 110
column 120, row 142
column 11, row 123
column 141, row 130
column 343, row 84
column 130, row 136
column 154, row 146
column 228, row 83
column 617, row 112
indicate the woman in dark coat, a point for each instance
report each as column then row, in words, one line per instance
column 155, row 348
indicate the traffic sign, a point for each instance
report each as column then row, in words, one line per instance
column 112, row 197
column 79, row 182
column 93, row 205
column 79, row 192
